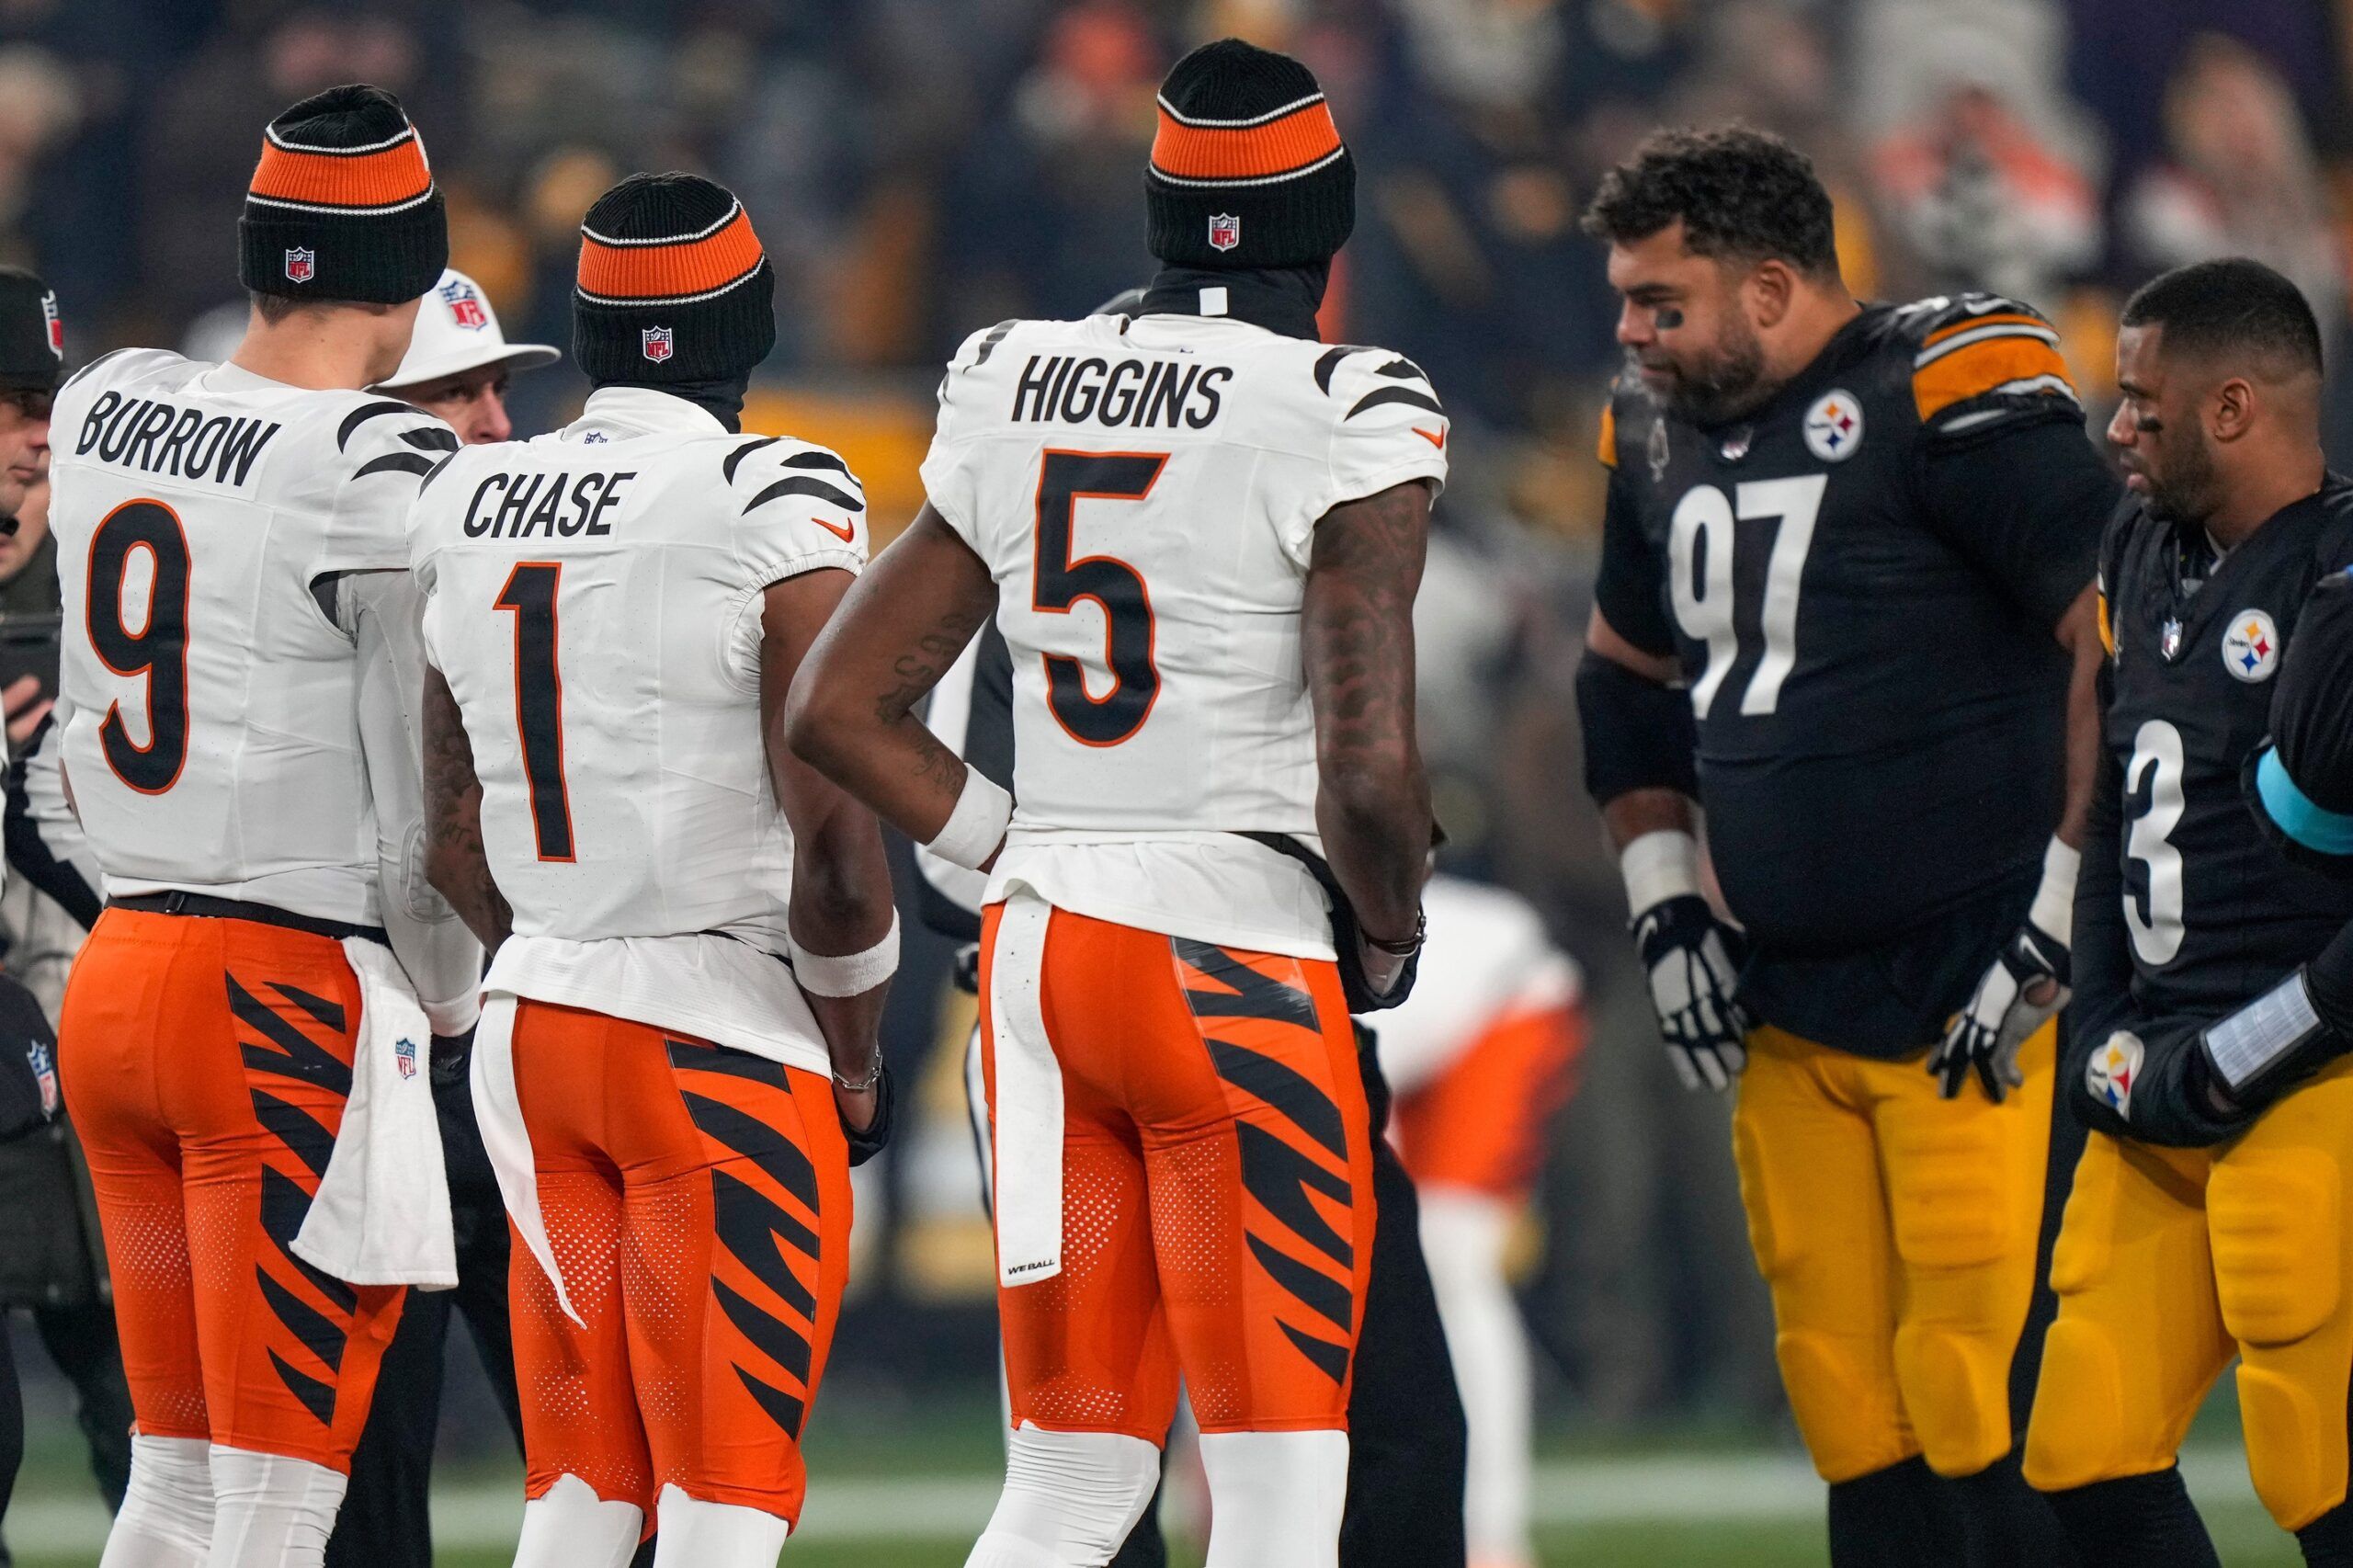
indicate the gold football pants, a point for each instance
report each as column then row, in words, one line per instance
column 2171, row 1261
column 1897, row 1231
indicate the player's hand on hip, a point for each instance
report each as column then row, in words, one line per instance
column 1691, row 958
column 2020, row 991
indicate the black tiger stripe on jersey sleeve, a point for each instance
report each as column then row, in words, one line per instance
column 364, row 413
column 396, row 463
column 735, row 458
column 831, row 496
column 1406, row 395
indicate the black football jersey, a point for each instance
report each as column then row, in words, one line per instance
column 2212, row 913
column 1862, row 581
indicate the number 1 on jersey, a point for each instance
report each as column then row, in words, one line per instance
column 1060, row 582
column 529, row 592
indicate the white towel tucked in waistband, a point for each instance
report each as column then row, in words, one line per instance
column 498, row 1110
column 1028, row 1097
column 382, row 1215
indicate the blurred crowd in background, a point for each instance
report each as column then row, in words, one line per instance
column 920, row 168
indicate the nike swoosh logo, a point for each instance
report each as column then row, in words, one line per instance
column 1438, row 440
column 846, row 532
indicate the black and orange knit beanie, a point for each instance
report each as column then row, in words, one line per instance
column 342, row 206
column 673, row 286
column 1248, row 168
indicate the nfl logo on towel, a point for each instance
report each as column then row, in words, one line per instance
column 655, row 341
column 405, row 1054
column 1225, row 231
column 301, row 264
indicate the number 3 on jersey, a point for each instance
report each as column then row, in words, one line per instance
column 157, row 651
column 529, row 595
column 1058, row 581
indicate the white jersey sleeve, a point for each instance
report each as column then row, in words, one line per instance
column 801, row 510
column 1391, row 430
column 952, row 470
column 381, row 610
column 390, row 448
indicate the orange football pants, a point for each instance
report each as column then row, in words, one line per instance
column 206, row 1063
column 1480, row 1123
column 1217, row 1189
column 697, row 1202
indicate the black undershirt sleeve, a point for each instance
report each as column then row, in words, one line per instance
column 1630, row 590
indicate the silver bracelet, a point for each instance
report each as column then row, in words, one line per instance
column 872, row 1078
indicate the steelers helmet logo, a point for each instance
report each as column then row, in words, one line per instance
column 2112, row 1069
column 1834, row 426
column 2251, row 646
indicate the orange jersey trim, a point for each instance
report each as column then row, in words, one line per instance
column 381, row 178
column 1979, row 369
column 667, row 270
column 1609, row 436
column 1999, row 318
column 1306, row 135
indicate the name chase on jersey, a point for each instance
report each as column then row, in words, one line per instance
column 521, row 506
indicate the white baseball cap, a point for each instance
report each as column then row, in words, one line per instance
column 456, row 330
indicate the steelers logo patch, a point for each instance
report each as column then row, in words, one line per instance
column 1834, row 426
column 2251, row 646
column 2112, row 1069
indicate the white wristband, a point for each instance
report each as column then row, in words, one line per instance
column 1660, row 865
column 2054, row 900
column 977, row 827
column 845, row 974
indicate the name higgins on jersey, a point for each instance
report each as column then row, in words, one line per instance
column 157, row 436
column 1125, row 394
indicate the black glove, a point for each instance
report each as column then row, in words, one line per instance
column 28, row 1091
column 1693, row 960
column 1986, row 1034
column 864, row 1146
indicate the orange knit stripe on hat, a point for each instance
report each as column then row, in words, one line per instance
column 1294, row 138
column 387, row 177
column 620, row 271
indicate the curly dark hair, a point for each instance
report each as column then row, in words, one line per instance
column 2233, row 306
column 1743, row 195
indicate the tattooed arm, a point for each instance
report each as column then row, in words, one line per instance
column 455, row 862
column 1373, row 804
column 851, row 714
column 841, row 882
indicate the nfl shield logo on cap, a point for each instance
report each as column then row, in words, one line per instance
column 465, row 305
column 1225, row 231
column 655, row 341
column 301, row 264
column 56, row 324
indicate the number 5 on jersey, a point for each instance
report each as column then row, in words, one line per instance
column 1058, row 581
column 529, row 595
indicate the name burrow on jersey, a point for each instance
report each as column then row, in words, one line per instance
column 1129, row 394
column 157, row 436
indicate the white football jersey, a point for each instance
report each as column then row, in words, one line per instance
column 212, row 737
column 594, row 601
column 1487, row 958
column 1145, row 491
